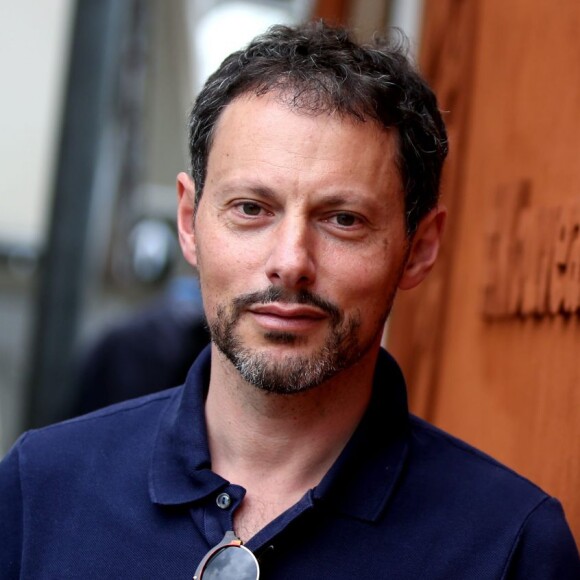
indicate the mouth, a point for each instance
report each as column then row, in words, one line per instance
column 282, row 317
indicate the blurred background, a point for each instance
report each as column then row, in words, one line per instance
column 94, row 295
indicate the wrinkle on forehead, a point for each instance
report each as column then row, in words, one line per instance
column 262, row 142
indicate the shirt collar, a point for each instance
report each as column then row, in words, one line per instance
column 181, row 467
column 363, row 477
column 358, row 484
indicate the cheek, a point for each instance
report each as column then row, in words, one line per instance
column 370, row 296
column 226, row 270
column 366, row 281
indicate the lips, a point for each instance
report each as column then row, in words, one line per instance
column 286, row 317
column 288, row 310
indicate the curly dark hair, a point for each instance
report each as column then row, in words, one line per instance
column 317, row 68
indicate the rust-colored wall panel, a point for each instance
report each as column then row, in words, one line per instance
column 335, row 11
column 509, row 384
column 449, row 28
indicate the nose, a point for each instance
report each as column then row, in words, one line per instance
column 290, row 263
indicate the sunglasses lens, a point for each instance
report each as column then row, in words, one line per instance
column 232, row 563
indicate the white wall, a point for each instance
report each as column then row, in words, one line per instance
column 34, row 39
column 407, row 15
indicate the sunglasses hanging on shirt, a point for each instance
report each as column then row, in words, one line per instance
column 229, row 560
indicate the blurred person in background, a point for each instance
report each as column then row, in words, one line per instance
column 149, row 351
column 289, row 452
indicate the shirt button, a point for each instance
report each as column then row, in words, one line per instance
column 223, row 501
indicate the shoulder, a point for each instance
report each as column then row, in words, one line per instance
column 443, row 458
column 464, row 493
column 112, row 434
column 102, row 455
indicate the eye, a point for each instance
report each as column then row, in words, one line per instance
column 249, row 208
column 345, row 220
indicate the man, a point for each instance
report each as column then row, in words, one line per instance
column 313, row 198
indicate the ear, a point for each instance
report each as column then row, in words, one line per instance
column 424, row 248
column 185, row 217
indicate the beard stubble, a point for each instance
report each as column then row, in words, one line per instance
column 293, row 373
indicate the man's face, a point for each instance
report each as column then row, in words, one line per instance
column 299, row 239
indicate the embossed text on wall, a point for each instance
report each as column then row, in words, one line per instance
column 533, row 256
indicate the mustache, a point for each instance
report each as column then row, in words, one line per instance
column 277, row 294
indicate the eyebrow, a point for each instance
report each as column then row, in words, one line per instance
column 256, row 189
column 265, row 191
column 338, row 199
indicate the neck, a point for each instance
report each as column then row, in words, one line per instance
column 259, row 439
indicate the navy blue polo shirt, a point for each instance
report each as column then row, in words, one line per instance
column 128, row 492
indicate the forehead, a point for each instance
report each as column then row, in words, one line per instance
column 265, row 136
